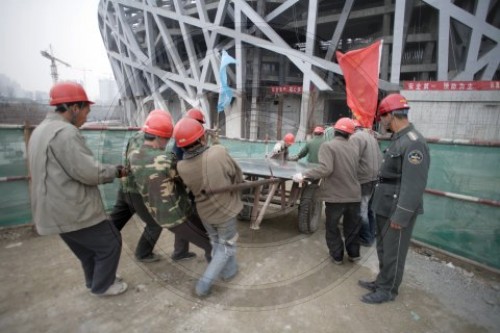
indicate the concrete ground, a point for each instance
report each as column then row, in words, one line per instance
column 286, row 284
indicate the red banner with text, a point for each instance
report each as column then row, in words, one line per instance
column 288, row 89
column 451, row 85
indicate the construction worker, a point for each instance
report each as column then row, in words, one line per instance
column 398, row 197
column 280, row 150
column 204, row 168
column 65, row 199
column 130, row 201
column 370, row 158
column 155, row 177
column 197, row 115
column 340, row 190
column 311, row 148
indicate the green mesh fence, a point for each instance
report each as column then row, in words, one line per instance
column 14, row 199
column 466, row 229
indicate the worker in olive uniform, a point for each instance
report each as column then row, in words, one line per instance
column 398, row 197
column 311, row 148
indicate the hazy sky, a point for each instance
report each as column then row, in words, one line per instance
column 70, row 26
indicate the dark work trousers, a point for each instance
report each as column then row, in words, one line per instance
column 351, row 226
column 392, row 248
column 193, row 231
column 98, row 248
column 126, row 205
column 367, row 232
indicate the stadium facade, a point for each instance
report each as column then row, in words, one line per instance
column 166, row 54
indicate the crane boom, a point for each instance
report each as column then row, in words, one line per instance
column 53, row 66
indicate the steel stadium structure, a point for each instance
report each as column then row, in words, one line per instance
column 166, row 53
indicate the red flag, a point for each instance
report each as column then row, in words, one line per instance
column 361, row 70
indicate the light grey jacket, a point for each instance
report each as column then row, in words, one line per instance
column 64, row 178
column 370, row 156
column 338, row 159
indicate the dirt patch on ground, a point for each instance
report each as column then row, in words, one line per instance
column 286, row 284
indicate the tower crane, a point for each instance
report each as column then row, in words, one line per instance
column 53, row 66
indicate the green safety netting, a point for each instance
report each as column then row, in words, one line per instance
column 466, row 229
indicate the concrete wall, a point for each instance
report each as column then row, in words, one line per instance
column 469, row 115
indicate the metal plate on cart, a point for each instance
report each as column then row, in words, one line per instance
column 280, row 169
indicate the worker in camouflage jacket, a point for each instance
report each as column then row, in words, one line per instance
column 398, row 197
column 153, row 172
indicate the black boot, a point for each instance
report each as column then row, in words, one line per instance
column 369, row 285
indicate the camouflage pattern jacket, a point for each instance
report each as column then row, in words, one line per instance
column 134, row 143
column 156, row 180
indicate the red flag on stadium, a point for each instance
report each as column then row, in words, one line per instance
column 361, row 70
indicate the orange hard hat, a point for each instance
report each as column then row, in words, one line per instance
column 68, row 92
column 289, row 139
column 319, row 130
column 345, row 125
column 196, row 114
column 391, row 103
column 187, row 131
column 159, row 123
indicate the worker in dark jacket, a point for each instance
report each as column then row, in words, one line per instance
column 340, row 190
column 370, row 158
column 398, row 197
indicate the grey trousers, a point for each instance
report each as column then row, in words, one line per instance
column 392, row 248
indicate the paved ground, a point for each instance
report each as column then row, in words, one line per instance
column 286, row 284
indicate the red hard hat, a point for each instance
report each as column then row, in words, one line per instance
column 392, row 102
column 289, row 139
column 68, row 92
column 196, row 114
column 318, row 130
column 345, row 125
column 159, row 123
column 187, row 131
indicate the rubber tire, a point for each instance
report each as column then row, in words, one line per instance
column 309, row 210
column 246, row 213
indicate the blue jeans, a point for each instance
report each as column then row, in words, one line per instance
column 223, row 237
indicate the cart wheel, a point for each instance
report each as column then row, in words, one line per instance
column 309, row 210
column 246, row 213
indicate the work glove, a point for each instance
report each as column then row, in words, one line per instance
column 298, row 178
column 278, row 147
column 121, row 171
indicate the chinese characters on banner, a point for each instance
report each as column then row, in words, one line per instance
column 451, row 85
column 289, row 89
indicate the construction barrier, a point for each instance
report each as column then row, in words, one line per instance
column 462, row 210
